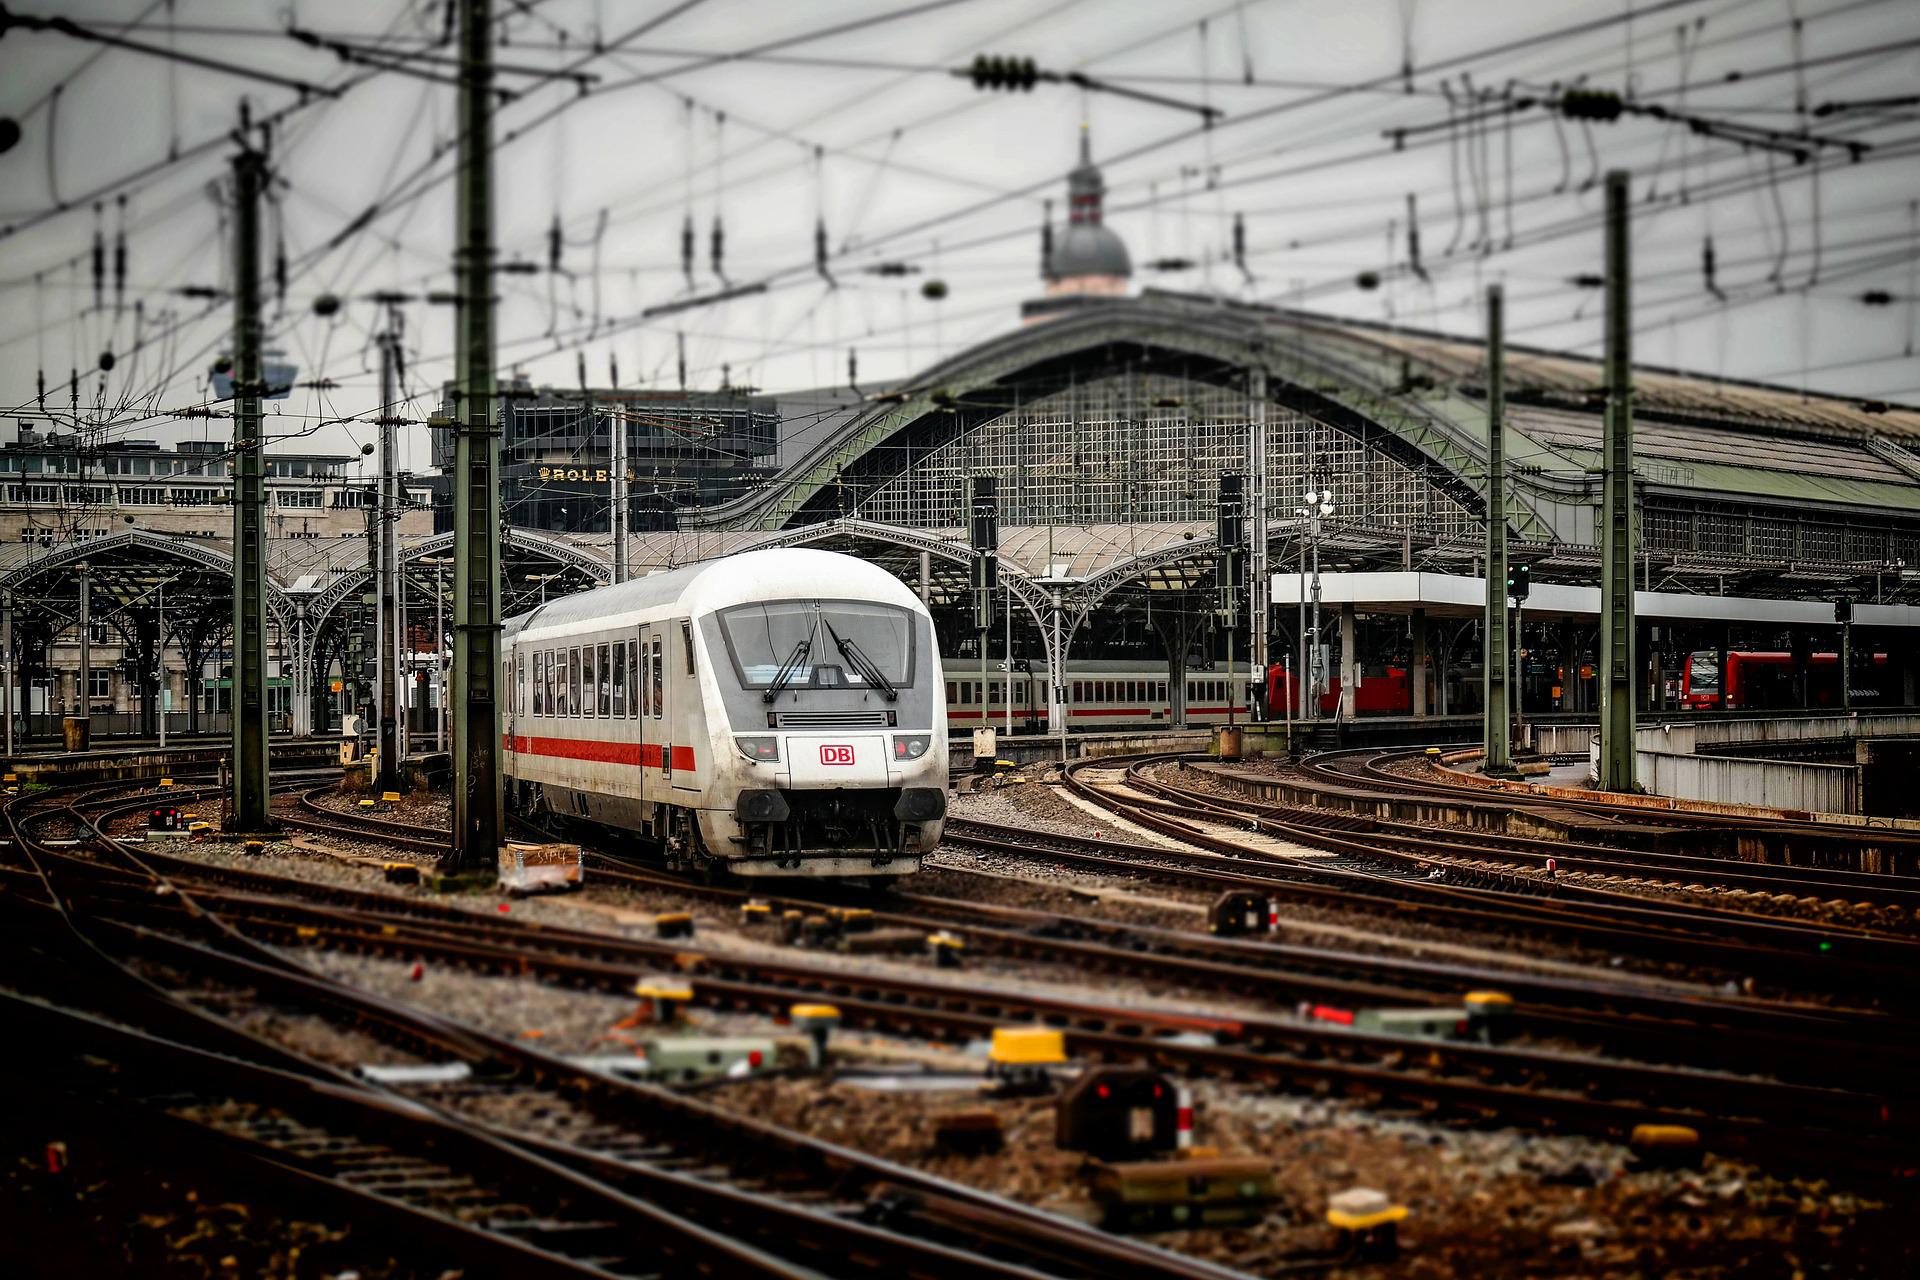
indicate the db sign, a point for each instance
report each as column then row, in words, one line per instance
column 836, row 754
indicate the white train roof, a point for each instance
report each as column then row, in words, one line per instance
column 778, row 573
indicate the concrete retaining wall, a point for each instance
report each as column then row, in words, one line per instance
column 1690, row 736
column 1562, row 739
column 1676, row 758
column 1025, row 748
column 1818, row 788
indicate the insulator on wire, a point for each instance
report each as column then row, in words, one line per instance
column 686, row 248
column 716, row 249
column 580, row 358
column 820, row 251
column 554, row 243
column 120, row 257
column 1413, row 238
column 680, row 342
column 1240, row 246
column 99, row 258
column 1707, row 266
column 853, row 368
column 613, row 370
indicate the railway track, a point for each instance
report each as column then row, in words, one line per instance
column 1487, row 1084
column 1405, row 869
column 1358, row 776
column 595, row 1164
column 1644, row 1024
column 1797, row 1041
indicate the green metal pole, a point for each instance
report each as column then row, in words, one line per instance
column 479, row 817
column 1496, row 738
column 249, row 798
column 1617, row 522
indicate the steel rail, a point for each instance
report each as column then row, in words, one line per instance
column 1174, row 811
column 832, row 1242
column 1298, row 1055
column 1879, row 888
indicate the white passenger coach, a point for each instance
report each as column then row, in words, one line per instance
column 777, row 712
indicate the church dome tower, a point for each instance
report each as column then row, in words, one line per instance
column 1085, row 256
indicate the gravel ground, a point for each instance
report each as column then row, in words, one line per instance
column 115, row 1213
column 1483, row 1204
column 561, row 1021
column 1033, row 805
column 422, row 809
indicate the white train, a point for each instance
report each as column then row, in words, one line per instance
column 1103, row 695
column 776, row 713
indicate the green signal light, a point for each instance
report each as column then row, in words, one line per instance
column 1826, row 946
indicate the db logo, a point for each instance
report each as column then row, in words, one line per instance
column 836, row 755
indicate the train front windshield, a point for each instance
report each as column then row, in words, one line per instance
column 1703, row 672
column 820, row 644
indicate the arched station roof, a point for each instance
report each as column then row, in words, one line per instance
column 1419, row 396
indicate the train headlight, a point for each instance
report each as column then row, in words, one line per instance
column 763, row 749
column 911, row 746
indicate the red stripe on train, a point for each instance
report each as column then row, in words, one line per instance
column 642, row 754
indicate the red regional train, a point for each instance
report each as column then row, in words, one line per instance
column 1772, row 679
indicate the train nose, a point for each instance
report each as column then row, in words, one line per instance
column 837, row 760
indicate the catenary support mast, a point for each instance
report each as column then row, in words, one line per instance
column 387, row 523
column 479, row 816
column 1495, row 734
column 248, row 801
column 1617, row 522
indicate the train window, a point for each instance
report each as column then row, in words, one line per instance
column 1133, row 691
column 606, row 682
column 546, row 679
column 633, row 679
column 573, row 683
column 950, row 692
column 642, row 690
column 1078, row 695
column 520, row 681
column 686, row 644
column 588, row 679
column 539, row 692
column 659, row 680
column 620, row 681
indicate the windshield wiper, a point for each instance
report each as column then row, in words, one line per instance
column 863, row 664
column 788, row 670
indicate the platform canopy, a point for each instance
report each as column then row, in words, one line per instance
column 1457, row 596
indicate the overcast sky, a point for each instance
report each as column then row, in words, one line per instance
column 915, row 166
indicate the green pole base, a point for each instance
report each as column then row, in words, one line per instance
column 460, row 881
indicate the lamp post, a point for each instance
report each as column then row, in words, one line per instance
column 1315, row 505
column 543, row 579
